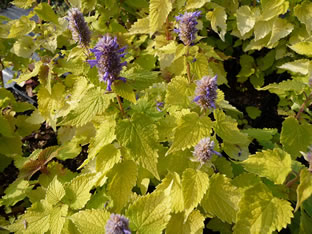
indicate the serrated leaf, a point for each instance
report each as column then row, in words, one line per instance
column 222, row 196
column 304, row 189
column 194, row 186
column 281, row 28
column 24, row 47
column 194, row 223
column 55, row 192
column 201, row 66
column 124, row 90
column 285, row 86
column 180, row 92
column 58, row 218
column 107, row 158
column 217, row 225
column 140, row 27
column 248, row 66
column 176, row 193
column 150, row 213
column 142, row 79
column 297, row 66
column 272, row 164
column 263, row 136
column 26, row 76
column 91, row 221
column 303, row 12
column 45, row 12
column 257, row 45
column 159, row 10
column 51, row 103
column 139, row 135
column 21, row 27
column 78, row 190
column 227, row 129
column 122, row 179
column 262, row 29
column 218, row 21
column 25, row 4
column 295, row 137
column 261, row 212
column 245, row 19
column 191, row 129
column 104, row 135
column 191, row 4
column 271, row 9
column 93, row 103
column 303, row 48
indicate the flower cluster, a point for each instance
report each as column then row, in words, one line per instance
column 108, row 62
column 117, row 224
column 78, row 27
column 203, row 151
column 308, row 158
column 206, row 92
column 187, row 26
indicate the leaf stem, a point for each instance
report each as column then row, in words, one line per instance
column 188, row 69
column 303, row 106
column 120, row 105
column 168, row 36
column 1, row 74
column 291, row 182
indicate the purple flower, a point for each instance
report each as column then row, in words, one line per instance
column 158, row 105
column 203, row 151
column 187, row 26
column 308, row 158
column 206, row 92
column 117, row 224
column 108, row 62
column 78, row 27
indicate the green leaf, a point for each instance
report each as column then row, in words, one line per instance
column 253, row 112
column 123, row 178
column 272, row 164
column 284, row 87
column 261, row 211
column 57, row 218
column 21, row 27
column 6, row 129
column 140, row 27
column 263, row 136
column 262, row 29
column 26, row 76
column 177, row 200
column 88, row 5
column 25, row 4
column 194, row 186
column 191, row 4
column 159, row 10
column 10, row 146
column 190, row 130
column 248, row 66
column 104, row 135
column 295, row 137
column 304, row 189
column 271, row 9
column 124, row 90
column 303, row 48
column 194, row 223
column 77, row 190
column 142, row 79
column 201, row 66
column 95, row 102
column 257, row 45
column 217, row 225
column 222, row 198
column 139, row 135
column 51, row 103
column 180, row 92
column 303, row 12
column 91, row 221
column 297, row 66
column 107, row 158
column 227, row 129
column 45, row 12
column 24, row 47
column 150, row 213
column 245, row 19
column 281, row 28
column 218, row 21
column 55, row 192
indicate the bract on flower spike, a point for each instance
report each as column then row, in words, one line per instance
column 203, row 151
column 206, row 92
column 108, row 62
column 187, row 26
column 117, row 224
column 308, row 158
column 78, row 27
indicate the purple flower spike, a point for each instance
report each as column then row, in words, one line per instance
column 203, row 151
column 108, row 62
column 308, row 158
column 78, row 27
column 158, row 105
column 206, row 92
column 187, row 30
column 117, row 224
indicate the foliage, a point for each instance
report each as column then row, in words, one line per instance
column 139, row 135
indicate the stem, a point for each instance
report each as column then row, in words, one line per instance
column 168, row 36
column 1, row 74
column 49, row 2
column 291, row 182
column 120, row 105
column 254, row 2
column 303, row 106
column 188, row 69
